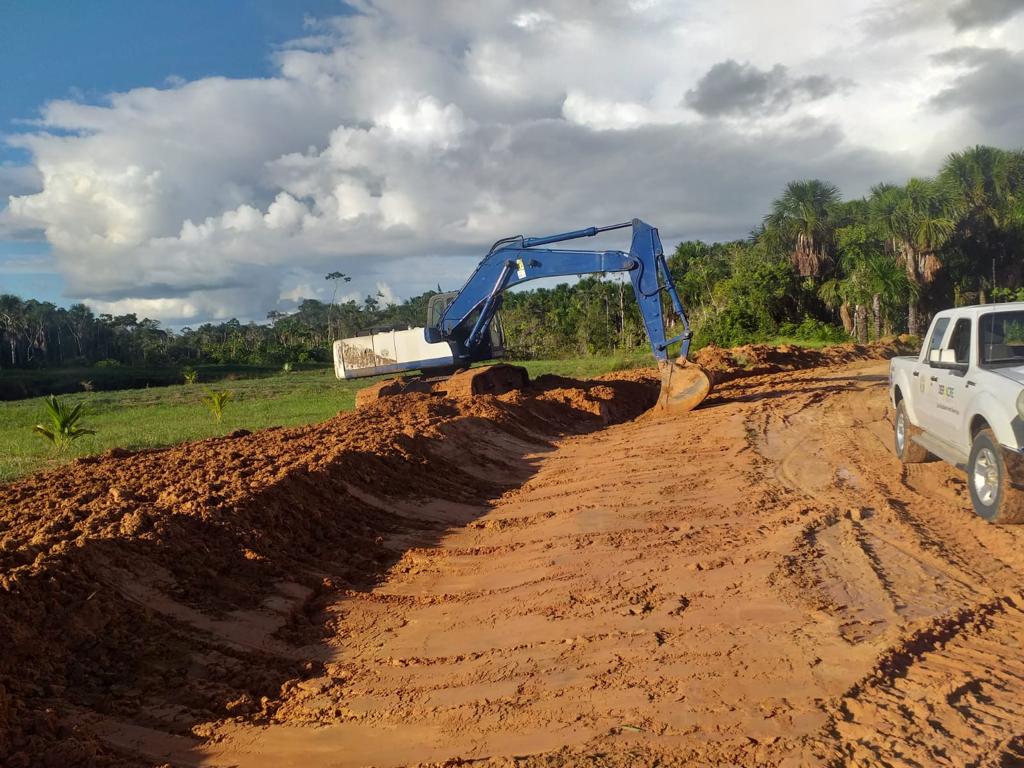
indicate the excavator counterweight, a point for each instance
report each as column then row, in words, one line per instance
column 464, row 328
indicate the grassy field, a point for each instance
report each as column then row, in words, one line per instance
column 18, row 384
column 161, row 416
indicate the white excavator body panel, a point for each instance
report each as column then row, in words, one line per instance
column 389, row 352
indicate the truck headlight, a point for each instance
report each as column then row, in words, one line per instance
column 1020, row 404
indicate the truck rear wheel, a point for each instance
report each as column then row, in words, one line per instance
column 907, row 450
column 992, row 495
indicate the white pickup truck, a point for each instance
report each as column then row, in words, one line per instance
column 962, row 400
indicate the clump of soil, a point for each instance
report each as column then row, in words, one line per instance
column 109, row 565
column 759, row 359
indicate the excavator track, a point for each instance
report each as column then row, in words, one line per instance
column 485, row 380
column 684, row 385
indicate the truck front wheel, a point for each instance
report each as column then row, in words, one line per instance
column 993, row 497
column 907, row 450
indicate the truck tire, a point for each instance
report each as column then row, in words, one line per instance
column 992, row 496
column 907, row 450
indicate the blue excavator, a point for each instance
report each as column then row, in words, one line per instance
column 463, row 327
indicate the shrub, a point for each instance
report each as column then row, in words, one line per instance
column 287, row 367
column 87, row 385
column 810, row 329
column 108, row 363
column 190, row 374
column 63, row 428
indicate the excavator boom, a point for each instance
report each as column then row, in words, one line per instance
column 462, row 334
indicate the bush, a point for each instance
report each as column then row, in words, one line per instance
column 732, row 327
column 107, row 363
column 810, row 329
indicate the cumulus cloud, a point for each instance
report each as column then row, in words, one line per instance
column 982, row 13
column 395, row 144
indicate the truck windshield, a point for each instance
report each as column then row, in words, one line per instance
column 1001, row 338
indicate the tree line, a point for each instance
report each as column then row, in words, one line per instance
column 38, row 334
column 817, row 267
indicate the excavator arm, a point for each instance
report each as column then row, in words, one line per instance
column 517, row 260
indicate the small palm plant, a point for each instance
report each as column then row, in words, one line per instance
column 287, row 367
column 216, row 401
column 63, row 428
column 190, row 374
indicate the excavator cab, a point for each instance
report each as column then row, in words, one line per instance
column 493, row 346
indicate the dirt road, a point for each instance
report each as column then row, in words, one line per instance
column 759, row 583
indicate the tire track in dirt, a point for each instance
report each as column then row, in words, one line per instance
column 944, row 689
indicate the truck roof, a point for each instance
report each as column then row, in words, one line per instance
column 976, row 309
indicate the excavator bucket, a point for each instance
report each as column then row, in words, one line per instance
column 684, row 386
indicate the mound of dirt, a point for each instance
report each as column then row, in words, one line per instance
column 109, row 565
column 759, row 359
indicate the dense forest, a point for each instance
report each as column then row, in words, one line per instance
column 817, row 267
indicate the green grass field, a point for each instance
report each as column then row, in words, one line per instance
column 162, row 416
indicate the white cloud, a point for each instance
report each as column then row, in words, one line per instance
column 387, row 296
column 394, row 143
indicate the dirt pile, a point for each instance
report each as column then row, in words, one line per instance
column 760, row 359
column 109, row 565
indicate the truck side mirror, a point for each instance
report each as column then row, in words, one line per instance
column 948, row 357
column 934, row 356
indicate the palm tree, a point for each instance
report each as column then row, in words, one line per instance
column 889, row 286
column 835, row 293
column 916, row 220
column 802, row 219
column 871, row 274
column 988, row 185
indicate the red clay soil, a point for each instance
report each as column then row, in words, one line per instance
column 535, row 579
column 108, row 565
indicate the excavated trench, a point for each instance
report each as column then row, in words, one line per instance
column 547, row 577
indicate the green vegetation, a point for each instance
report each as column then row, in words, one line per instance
column 33, row 382
column 64, row 427
column 216, row 401
column 151, row 418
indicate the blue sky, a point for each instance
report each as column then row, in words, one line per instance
column 85, row 49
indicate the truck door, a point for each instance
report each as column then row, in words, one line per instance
column 925, row 378
column 950, row 387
